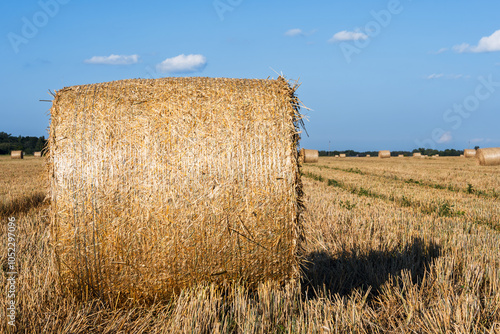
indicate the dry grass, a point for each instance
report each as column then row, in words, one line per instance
column 375, row 265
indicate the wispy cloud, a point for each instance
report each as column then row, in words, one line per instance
column 486, row 44
column 445, row 138
column 183, row 64
column 347, row 36
column 481, row 140
column 113, row 60
column 442, row 50
column 447, row 76
column 435, row 76
column 294, row 32
column 299, row 32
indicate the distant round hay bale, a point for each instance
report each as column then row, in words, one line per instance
column 337, row 156
column 38, row 154
column 470, row 153
column 160, row 184
column 309, row 156
column 461, row 155
column 401, row 156
column 16, row 155
column 368, row 155
column 417, row 154
column 342, row 155
column 384, row 154
column 488, row 156
column 436, row 155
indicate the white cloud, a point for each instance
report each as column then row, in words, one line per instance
column 442, row 50
column 486, row 44
column 182, row 64
column 113, row 60
column 294, row 32
column 445, row 138
column 447, row 76
column 347, row 36
column 435, row 76
column 480, row 140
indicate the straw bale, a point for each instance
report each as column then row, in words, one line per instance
column 470, row 153
column 384, row 154
column 160, row 184
column 368, row 155
column 16, row 155
column 38, row 154
column 309, row 156
column 488, row 156
column 417, row 154
column 342, row 155
column 401, row 156
column 337, row 156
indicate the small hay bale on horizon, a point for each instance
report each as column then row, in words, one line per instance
column 309, row 156
column 401, row 155
column 342, row 155
column 17, row 155
column 38, row 154
column 368, row 155
column 162, row 184
column 417, row 154
column 470, row 153
column 384, row 154
column 337, row 156
column 488, row 156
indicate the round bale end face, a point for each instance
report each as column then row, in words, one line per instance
column 161, row 184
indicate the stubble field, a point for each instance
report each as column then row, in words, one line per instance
column 401, row 245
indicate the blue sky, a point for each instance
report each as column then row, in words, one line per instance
column 377, row 74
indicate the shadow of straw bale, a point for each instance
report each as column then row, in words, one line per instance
column 349, row 270
column 22, row 204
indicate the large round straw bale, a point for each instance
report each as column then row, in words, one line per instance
column 309, row 155
column 38, row 154
column 469, row 153
column 342, row 155
column 161, row 184
column 488, row 156
column 16, row 155
column 384, row 154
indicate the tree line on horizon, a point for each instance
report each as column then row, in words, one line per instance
column 27, row 144
column 424, row 151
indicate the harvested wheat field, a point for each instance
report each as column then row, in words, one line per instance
column 392, row 245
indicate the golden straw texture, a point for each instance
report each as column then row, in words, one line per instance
column 469, row 153
column 160, row 184
column 16, row 155
column 309, row 156
column 384, row 154
column 488, row 156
